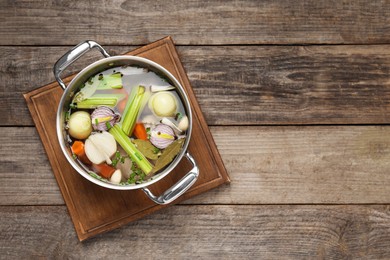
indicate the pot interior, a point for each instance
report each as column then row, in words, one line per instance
column 85, row 75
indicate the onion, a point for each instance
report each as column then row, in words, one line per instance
column 80, row 125
column 163, row 103
column 100, row 147
column 101, row 115
column 161, row 136
column 168, row 122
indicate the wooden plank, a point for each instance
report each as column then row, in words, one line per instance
column 25, row 172
column 195, row 22
column 242, row 85
column 267, row 165
column 205, row 232
column 292, row 85
column 316, row 164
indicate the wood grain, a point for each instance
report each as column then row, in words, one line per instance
column 242, row 85
column 195, row 22
column 250, row 63
column 217, row 232
column 271, row 165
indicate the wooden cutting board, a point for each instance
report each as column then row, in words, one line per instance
column 94, row 209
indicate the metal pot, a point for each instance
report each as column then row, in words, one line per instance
column 108, row 62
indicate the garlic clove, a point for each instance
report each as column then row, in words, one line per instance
column 184, row 123
column 116, row 177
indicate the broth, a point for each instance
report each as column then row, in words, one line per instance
column 126, row 124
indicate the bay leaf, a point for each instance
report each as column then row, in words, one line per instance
column 168, row 154
column 146, row 148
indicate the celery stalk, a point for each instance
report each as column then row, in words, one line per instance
column 98, row 82
column 113, row 81
column 132, row 110
column 135, row 155
column 109, row 100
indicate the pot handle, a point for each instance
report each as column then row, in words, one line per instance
column 179, row 188
column 72, row 55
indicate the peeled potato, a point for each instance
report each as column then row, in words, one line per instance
column 80, row 126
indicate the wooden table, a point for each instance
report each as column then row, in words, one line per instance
column 297, row 96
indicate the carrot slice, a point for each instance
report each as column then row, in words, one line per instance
column 78, row 149
column 140, row 131
column 104, row 170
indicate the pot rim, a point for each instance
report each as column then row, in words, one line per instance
column 83, row 171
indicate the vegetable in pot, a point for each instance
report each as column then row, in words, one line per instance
column 99, row 81
column 104, row 170
column 101, row 115
column 163, row 104
column 109, row 100
column 140, row 131
column 132, row 109
column 79, row 124
column 120, row 143
column 168, row 122
column 135, row 155
column 116, row 177
column 78, row 149
column 100, row 147
column 113, row 81
column 156, row 88
column 183, row 123
column 161, row 136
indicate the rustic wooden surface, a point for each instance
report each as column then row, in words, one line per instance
column 297, row 96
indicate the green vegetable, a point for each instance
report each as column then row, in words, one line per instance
column 86, row 91
column 111, row 81
column 118, row 158
column 135, row 155
column 178, row 116
column 168, row 154
column 132, row 109
column 109, row 100
column 99, row 81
